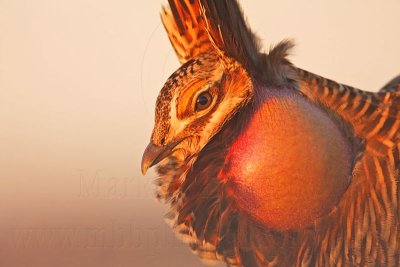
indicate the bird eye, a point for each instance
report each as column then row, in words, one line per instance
column 203, row 101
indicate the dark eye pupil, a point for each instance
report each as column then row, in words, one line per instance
column 203, row 101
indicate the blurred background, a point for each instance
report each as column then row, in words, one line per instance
column 78, row 82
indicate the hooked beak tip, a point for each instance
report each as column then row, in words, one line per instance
column 151, row 156
column 154, row 154
column 144, row 168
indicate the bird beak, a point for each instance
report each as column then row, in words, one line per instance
column 154, row 154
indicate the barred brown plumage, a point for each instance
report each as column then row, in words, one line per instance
column 282, row 167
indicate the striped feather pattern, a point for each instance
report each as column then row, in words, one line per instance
column 362, row 230
column 186, row 28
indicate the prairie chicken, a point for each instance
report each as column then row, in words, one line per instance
column 263, row 163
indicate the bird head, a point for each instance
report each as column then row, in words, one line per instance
column 194, row 104
column 218, row 53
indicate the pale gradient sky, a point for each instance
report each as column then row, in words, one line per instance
column 78, row 82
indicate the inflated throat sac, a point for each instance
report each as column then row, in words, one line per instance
column 290, row 165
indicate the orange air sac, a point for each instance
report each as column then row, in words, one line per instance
column 290, row 165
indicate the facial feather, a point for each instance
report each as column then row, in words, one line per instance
column 176, row 116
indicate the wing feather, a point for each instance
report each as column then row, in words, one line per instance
column 392, row 86
column 371, row 203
